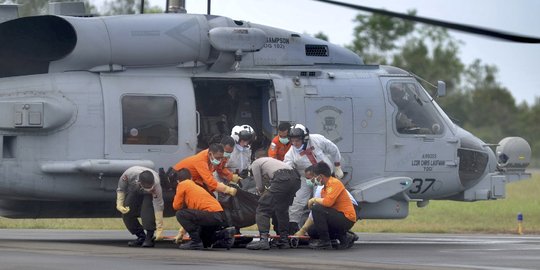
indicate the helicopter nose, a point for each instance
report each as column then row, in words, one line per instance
column 474, row 157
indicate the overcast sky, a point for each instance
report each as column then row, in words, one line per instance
column 519, row 64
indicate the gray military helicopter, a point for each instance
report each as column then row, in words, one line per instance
column 84, row 98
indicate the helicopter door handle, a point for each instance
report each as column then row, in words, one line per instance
column 198, row 122
column 270, row 114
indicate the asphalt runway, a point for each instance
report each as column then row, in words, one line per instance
column 78, row 249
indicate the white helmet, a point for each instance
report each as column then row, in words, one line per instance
column 243, row 132
column 299, row 131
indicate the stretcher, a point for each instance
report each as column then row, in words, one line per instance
column 294, row 240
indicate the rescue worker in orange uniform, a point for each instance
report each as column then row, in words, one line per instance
column 202, row 165
column 200, row 214
column 333, row 213
column 280, row 144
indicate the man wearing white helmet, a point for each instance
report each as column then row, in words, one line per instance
column 307, row 150
column 240, row 158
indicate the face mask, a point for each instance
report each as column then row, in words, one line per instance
column 284, row 140
column 214, row 161
column 240, row 148
column 309, row 183
column 298, row 149
column 226, row 154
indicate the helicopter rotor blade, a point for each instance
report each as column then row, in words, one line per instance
column 454, row 26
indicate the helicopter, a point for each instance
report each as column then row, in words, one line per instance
column 84, row 98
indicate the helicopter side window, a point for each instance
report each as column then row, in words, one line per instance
column 415, row 113
column 149, row 120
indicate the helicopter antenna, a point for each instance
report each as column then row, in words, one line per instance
column 454, row 26
column 209, row 3
column 142, row 6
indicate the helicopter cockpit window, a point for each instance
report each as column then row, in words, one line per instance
column 149, row 120
column 415, row 112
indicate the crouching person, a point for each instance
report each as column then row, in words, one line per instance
column 278, row 183
column 200, row 214
column 333, row 213
column 139, row 195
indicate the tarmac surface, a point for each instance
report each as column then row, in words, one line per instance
column 81, row 249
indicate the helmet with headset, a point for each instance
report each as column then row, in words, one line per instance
column 299, row 131
column 243, row 133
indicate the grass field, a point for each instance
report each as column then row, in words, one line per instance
column 438, row 217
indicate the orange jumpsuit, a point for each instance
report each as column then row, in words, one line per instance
column 201, row 170
column 193, row 196
column 278, row 150
column 334, row 196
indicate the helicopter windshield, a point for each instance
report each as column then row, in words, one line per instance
column 415, row 112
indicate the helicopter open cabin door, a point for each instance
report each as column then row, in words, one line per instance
column 149, row 117
column 419, row 139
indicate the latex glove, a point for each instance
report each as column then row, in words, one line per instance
column 159, row 225
column 231, row 191
column 120, row 198
column 235, row 178
column 311, row 202
column 303, row 230
column 338, row 172
column 226, row 189
column 178, row 238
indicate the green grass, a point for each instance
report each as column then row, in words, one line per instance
column 438, row 217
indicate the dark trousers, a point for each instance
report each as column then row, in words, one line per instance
column 275, row 202
column 274, row 205
column 140, row 205
column 328, row 222
column 195, row 221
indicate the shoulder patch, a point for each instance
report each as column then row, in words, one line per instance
column 273, row 146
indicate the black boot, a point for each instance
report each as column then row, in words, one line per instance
column 262, row 244
column 139, row 241
column 293, row 228
column 195, row 243
column 149, row 240
column 283, row 242
column 320, row 244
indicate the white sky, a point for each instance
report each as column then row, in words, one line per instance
column 519, row 64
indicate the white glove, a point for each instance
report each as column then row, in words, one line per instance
column 159, row 225
column 120, row 197
column 338, row 172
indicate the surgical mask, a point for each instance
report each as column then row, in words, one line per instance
column 226, row 154
column 214, row 161
column 298, row 149
column 309, row 182
column 284, row 140
column 240, row 148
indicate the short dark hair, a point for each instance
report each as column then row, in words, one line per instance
column 228, row 140
column 146, row 178
column 309, row 169
column 216, row 148
column 284, row 126
column 183, row 174
column 261, row 153
column 322, row 168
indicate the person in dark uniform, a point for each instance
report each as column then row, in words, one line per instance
column 278, row 183
column 139, row 194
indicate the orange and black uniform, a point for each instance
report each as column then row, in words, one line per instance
column 197, row 211
column 201, row 170
column 278, row 150
column 335, row 215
